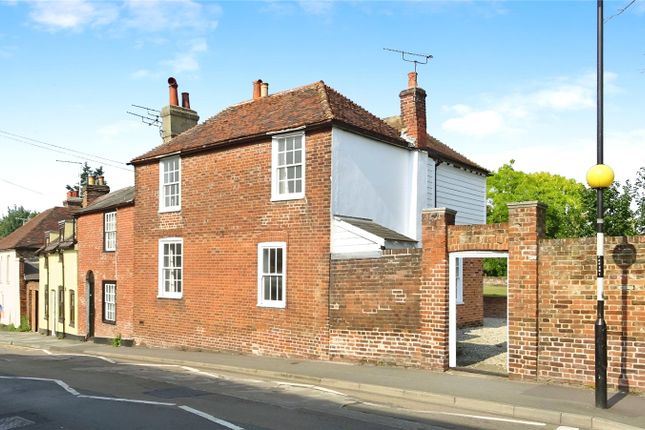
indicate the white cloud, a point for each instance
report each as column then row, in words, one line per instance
column 144, row 74
column 72, row 14
column 482, row 123
column 186, row 60
column 520, row 110
column 316, row 7
column 160, row 15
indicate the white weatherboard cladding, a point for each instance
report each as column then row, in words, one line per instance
column 430, row 183
column 375, row 180
column 10, row 288
column 348, row 240
column 462, row 191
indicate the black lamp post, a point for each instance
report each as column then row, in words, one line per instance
column 600, row 178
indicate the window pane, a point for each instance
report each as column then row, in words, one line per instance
column 292, row 187
column 267, row 286
column 291, row 172
column 298, row 157
column 265, row 260
column 290, row 144
column 282, row 187
column 281, row 159
column 278, row 258
column 298, row 186
column 279, row 287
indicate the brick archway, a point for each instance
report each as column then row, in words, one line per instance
column 452, row 295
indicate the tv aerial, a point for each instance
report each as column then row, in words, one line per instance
column 407, row 56
column 148, row 116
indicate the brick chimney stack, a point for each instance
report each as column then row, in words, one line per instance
column 176, row 119
column 93, row 190
column 413, row 111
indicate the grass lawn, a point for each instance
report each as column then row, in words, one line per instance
column 494, row 291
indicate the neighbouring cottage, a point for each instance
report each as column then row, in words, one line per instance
column 240, row 220
column 58, row 266
column 19, row 275
column 105, row 265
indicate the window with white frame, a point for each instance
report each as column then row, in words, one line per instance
column 170, row 267
column 109, row 231
column 109, row 302
column 288, row 167
column 272, row 274
column 459, row 280
column 170, row 184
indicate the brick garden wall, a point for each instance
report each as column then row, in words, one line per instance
column 567, row 311
column 226, row 210
column 374, row 308
column 116, row 266
column 471, row 312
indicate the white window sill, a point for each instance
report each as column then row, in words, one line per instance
column 170, row 209
column 169, row 296
column 288, row 197
column 460, row 303
column 276, row 305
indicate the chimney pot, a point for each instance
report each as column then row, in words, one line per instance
column 172, row 86
column 264, row 90
column 185, row 100
column 256, row 89
column 412, row 80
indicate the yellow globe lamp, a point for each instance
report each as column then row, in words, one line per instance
column 600, row 176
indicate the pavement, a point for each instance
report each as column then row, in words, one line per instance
column 554, row 404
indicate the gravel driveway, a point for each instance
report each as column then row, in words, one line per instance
column 485, row 347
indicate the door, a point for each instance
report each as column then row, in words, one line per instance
column 89, row 297
column 53, row 311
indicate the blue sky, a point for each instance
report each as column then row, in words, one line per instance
column 509, row 79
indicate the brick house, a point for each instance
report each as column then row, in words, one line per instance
column 19, row 268
column 240, row 218
column 105, row 264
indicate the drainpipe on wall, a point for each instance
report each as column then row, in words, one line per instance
column 62, row 266
column 436, row 164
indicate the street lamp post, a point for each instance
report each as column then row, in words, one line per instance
column 600, row 177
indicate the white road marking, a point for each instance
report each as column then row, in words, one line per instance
column 46, row 351
column 211, row 418
column 15, row 422
column 117, row 399
column 567, row 428
column 313, row 387
column 55, row 381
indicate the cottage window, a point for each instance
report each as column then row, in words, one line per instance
column 170, row 184
column 288, row 167
column 72, row 308
column 109, row 302
column 61, row 305
column 109, row 228
column 170, row 267
column 272, row 274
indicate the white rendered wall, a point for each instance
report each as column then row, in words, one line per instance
column 375, row 180
column 10, row 288
column 463, row 191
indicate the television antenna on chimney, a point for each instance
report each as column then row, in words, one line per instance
column 150, row 116
column 405, row 56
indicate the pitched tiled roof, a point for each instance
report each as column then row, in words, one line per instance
column 112, row 200
column 438, row 148
column 32, row 234
column 310, row 105
column 376, row 229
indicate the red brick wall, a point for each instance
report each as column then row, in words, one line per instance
column 471, row 312
column 478, row 237
column 567, row 303
column 495, row 307
column 106, row 266
column 374, row 308
column 226, row 212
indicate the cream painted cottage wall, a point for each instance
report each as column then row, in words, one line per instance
column 10, row 288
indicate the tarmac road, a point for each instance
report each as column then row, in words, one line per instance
column 48, row 391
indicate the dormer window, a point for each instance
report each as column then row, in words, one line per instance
column 288, row 166
column 170, row 184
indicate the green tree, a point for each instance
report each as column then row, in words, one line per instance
column 14, row 219
column 638, row 199
column 565, row 214
column 86, row 171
